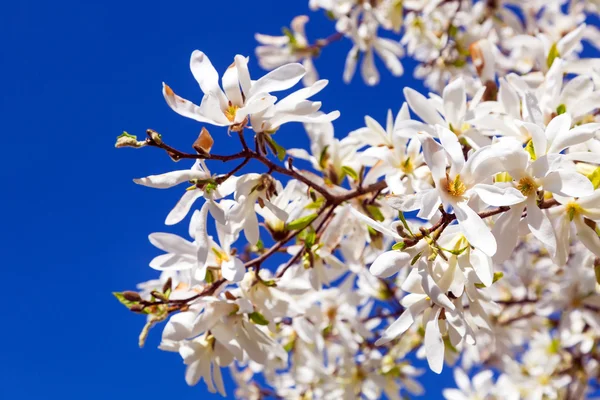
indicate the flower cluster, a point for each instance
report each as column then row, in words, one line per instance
column 448, row 38
column 462, row 231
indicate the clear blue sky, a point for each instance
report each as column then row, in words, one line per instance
column 74, row 226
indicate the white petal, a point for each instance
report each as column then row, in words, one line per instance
column 568, row 184
column 475, row 229
column 588, row 236
column 183, row 107
column 171, row 243
column 504, row 232
column 568, row 138
column 434, row 344
column 453, row 149
column 231, row 85
column 455, row 101
column 388, row 263
column 422, row 107
column 401, row 325
column 557, row 128
column 206, row 75
column 170, row 179
column 182, row 208
column 540, row 225
column 281, row 78
column 435, row 156
column 233, row 270
column 483, row 267
column 497, row 196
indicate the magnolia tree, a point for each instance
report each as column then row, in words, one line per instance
column 463, row 230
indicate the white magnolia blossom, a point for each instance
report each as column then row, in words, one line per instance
column 463, row 233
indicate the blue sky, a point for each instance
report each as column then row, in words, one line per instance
column 75, row 75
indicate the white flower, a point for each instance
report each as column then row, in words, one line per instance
column 240, row 95
column 276, row 51
column 200, row 178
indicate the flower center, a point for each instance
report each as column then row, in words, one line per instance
column 455, row 187
column 527, row 186
column 230, row 112
column 572, row 210
column 407, row 166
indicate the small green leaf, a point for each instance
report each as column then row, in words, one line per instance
column 350, row 172
column 289, row 345
column 404, row 223
column 497, row 277
column 123, row 300
column 552, row 55
column 594, row 177
column 302, row 222
column 531, row 150
column 452, row 30
column 448, row 344
column 375, row 213
column 315, row 205
column 561, row 109
column 209, row 278
column 597, row 272
column 277, row 149
column 310, row 238
column 127, row 135
column 258, row 318
column 416, row 258
column 270, row 283
column 323, row 157
column 399, row 246
column 290, row 36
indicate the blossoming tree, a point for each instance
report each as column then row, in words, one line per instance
column 463, row 230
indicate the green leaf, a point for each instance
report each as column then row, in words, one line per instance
column 121, row 297
column 375, row 213
column 290, row 36
column 323, row 157
column 452, row 30
column 209, row 278
column 531, row 150
column 350, row 172
column 404, row 223
column 416, row 258
column 315, row 205
column 258, row 318
column 270, row 283
column 277, row 149
column 497, row 277
column 552, row 55
column 290, row 345
column 594, row 177
column 561, row 109
column 399, row 246
column 126, row 134
column 302, row 222
column 448, row 344
column 597, row 272
column 309, row 240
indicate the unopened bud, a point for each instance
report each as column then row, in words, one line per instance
column 159, row 295
column 131, row 296
column 155, row 136
column 137, row 308
column 168, row 285
column 127, row 140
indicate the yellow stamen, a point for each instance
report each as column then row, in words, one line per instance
column 573, row 209
column 455, row 187
column 231, row 111
column 527, row 186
